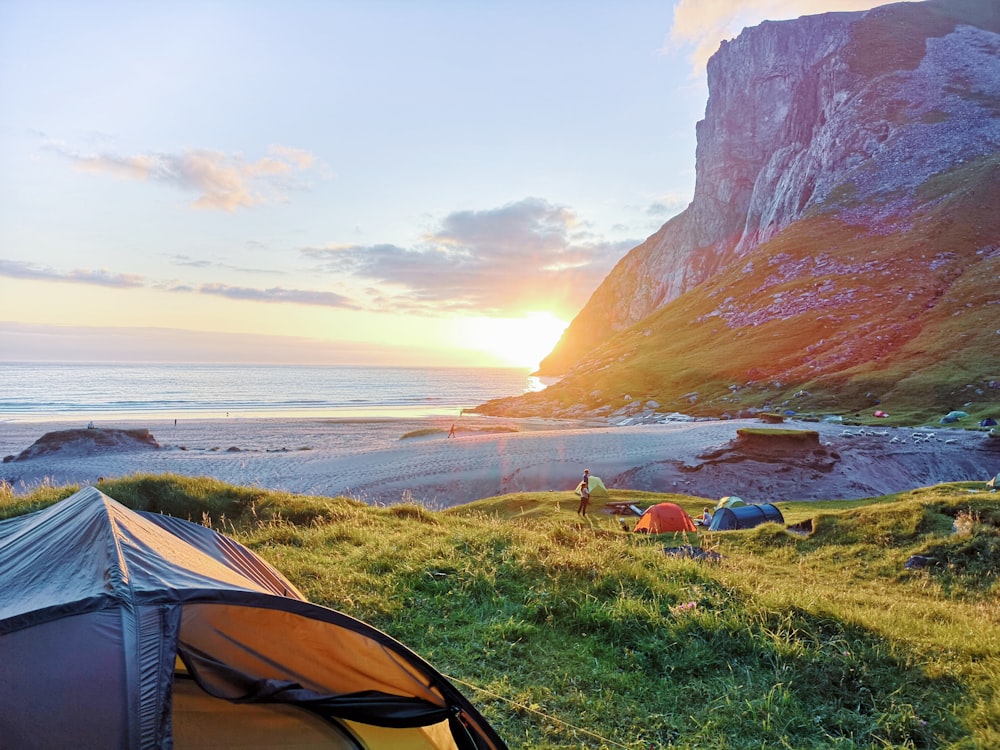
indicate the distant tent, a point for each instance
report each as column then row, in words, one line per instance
column 994, row 483
column 597, row 488
column 880, row 414
column 730, row 501
column 664, row 518
column 745, row 517
column 953, row 416
column 138, row 630
column 988, row 422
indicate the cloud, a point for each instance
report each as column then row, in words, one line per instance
column 701, row 26
column 222, row 181
column 277, row 294
column 528, row 255
column 101, row 277
column 21, row 270
column 667, row 206
column 189, row 262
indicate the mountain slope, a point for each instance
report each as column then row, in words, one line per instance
column 843, row 242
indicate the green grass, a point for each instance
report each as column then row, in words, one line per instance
column 570, row 633
column 426, row 432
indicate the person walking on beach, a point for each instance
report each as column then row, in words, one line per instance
column 451, row 432
column 584, row 494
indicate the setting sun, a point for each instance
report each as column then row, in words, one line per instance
column 516, row 342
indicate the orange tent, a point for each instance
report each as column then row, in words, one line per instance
column 664, row 518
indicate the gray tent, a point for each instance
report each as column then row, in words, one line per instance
column 745, row 517
column 136, row 630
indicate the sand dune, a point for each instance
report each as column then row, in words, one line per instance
column 370, row 461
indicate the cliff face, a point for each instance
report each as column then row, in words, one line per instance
column 844, row 114
column 842, row 247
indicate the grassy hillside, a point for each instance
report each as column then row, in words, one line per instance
column 826, row 317
column 571, row 633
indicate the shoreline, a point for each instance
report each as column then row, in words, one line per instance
column 368, row 458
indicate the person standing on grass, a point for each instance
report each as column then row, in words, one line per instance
column 584, row 494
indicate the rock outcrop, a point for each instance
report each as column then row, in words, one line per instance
column 842, row 247
column 842, row 112
column 86, row 442
column 788, row 448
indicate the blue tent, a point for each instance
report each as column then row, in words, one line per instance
column 745, row 517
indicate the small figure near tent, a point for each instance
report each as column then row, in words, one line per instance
column 451, row 432
column 730, row 501
column 584, row 490
column 706, row 517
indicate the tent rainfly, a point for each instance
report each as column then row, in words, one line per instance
column 664, row 518
column 730, row 501
column 745, row 517
column 596, row 487
column 136, row 630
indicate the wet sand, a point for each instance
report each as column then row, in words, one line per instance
column 370, row 459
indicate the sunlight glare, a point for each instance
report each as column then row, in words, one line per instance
column 515, row 342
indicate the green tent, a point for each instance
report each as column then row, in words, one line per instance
column 597, row 488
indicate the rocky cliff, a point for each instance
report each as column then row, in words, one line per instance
column 843, row 157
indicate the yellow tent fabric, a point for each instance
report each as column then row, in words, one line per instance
column 730, row 501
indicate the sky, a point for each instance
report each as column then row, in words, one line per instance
column 387, row 182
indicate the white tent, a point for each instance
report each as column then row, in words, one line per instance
column 136, row 630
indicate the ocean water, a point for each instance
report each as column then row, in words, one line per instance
column 54, row 392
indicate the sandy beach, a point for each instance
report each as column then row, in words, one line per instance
column 370, row 459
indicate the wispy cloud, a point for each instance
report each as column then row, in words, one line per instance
column 667, row 206
column 189, row 262
column 278, row 294
column 222, row 181
column 100, row 277
column 701, row 26
column 522, row 256
column 22, row 270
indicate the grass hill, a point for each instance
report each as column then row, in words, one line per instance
column 823, row 318
column 571, row 633
column 842, row 247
